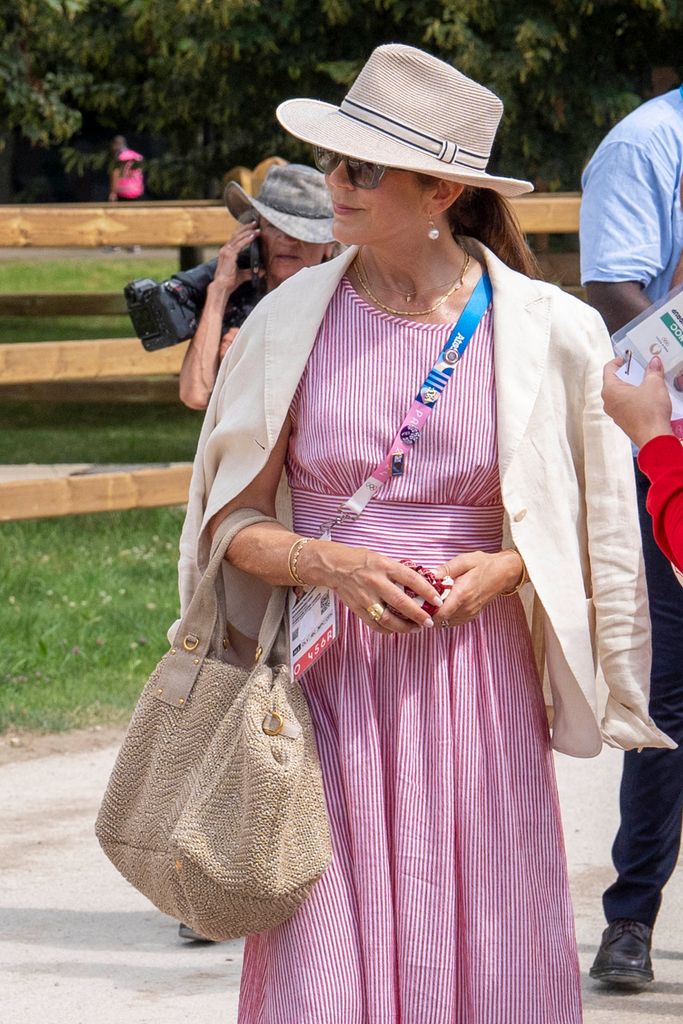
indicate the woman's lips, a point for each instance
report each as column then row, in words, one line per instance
column 341, row 210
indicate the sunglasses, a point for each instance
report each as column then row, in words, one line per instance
column 361, row 173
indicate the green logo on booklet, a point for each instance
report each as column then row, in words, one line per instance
column 674, row 327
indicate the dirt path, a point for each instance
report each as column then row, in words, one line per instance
column 20, row 746
column 80, row 945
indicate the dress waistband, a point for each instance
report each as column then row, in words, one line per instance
column 404, row 529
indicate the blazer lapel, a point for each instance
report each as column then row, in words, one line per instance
column 521, row 333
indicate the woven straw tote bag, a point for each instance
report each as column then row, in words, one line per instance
column 215, row 808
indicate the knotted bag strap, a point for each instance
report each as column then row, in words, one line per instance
column 192, row 641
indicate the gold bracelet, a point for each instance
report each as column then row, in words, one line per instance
column 523, row 580
column 293, row 558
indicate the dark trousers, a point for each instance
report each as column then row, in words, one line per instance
column 646, row 847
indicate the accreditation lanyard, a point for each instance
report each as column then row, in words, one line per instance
column 410, row 431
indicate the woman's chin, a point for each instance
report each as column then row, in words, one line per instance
column 345, row 235
column 282, row 267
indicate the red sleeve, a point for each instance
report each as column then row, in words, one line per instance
column 661, row 459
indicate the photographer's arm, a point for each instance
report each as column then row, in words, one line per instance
column 200, row 366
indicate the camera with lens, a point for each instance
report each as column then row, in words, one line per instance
column 167, row 313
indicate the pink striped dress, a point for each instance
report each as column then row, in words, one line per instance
column 446, row 901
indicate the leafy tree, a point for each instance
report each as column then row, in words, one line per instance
column 205, row 76
column 33, row 86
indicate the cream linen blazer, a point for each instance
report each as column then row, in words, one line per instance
column 566, row 477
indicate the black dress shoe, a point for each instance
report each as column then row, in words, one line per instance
column 624, row 956
column 187, row 933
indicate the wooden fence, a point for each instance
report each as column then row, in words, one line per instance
column 199, row 222
column 157, row 224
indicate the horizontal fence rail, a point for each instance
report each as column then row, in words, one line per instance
column 63, row 304
column 108, row 359
column 94, row 492
column 199, row 223
column 91, row 225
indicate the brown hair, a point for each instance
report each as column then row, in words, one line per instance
column 487, row 216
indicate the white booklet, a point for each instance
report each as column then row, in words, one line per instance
column 657, row 331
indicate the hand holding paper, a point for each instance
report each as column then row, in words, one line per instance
column 653, row 340
column 644, row 411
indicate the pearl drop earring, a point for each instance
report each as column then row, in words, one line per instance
column 433, row 232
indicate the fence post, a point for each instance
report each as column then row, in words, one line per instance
column 190, row 256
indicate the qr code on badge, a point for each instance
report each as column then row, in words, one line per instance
column 324, row 603
column 295, row 635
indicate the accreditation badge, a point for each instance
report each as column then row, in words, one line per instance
column 312, row 626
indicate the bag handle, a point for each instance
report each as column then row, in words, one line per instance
column 193, row 637
column 272, row 618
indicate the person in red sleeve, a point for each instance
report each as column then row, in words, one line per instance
column 644, row 413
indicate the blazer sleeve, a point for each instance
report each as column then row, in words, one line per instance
column 616, row 562
column 661, row 459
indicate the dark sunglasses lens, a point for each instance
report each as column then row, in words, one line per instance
column 363, row 174
column 325, row 159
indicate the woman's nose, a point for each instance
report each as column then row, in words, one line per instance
column 338, row 178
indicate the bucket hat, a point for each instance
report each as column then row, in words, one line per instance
column 410, row 110
column 294, row 198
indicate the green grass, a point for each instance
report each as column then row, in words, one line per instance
column 46, row 432
column 73, row 275
column 63, row 328
column 86, row 602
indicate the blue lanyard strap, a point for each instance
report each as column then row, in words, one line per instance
column 457, row 343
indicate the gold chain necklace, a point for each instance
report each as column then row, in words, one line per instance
column 362, row 277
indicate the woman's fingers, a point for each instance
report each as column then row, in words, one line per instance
column 362, row 578
column 388, row 623
column 244, row 235
column 407, row 577
column 459, row 565
column 410, row 616
column 464, row 601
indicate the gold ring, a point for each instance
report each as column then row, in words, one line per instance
column 376, row 610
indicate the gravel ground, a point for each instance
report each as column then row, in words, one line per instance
column 79, row 945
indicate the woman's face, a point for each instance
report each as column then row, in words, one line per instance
column 284, row 255
column 398, row 207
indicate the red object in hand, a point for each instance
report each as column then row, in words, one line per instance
column 442, row 586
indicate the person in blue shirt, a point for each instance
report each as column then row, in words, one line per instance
column 631, row 235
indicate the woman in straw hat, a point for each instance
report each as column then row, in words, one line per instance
column 450, row 406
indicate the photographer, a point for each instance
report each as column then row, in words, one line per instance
column 290, row 227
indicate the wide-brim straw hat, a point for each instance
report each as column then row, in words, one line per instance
column 409, row 110
column 294, row 198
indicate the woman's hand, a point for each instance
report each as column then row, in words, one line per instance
column 478, row 577
column 361, row 578
column 642, row 412
column 228, row 275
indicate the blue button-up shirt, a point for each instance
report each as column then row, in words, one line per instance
column 631, row 214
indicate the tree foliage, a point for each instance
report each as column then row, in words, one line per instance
column 204, row 76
